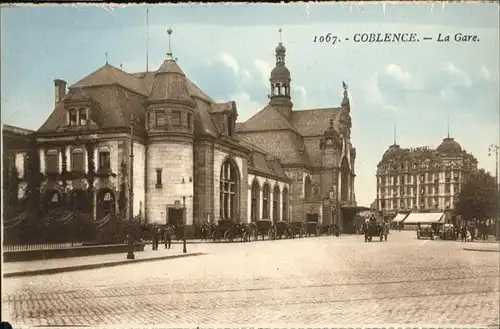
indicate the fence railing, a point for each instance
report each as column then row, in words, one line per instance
column 41, row 246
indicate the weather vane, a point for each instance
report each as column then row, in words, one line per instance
column 280, row 30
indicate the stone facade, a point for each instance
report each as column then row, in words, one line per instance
column 422, row 179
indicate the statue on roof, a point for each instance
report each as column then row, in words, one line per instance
column 344, row 85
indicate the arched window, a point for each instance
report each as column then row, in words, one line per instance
column 105, row 203
column 285, row 204
column 53, row 200
column 266, row 195
column 276, row 204
column 344, row 187
column 229, row 190
column 307, row 188
column 77, row 160
column 279, row 88
column 255, row 195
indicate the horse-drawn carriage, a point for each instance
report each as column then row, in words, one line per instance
column 297, row 228
column 312, row 228
column 281, row 229
column 229, row 230
column 263, row 228
column 375, row 227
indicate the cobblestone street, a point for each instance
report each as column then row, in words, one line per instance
column 312, row 281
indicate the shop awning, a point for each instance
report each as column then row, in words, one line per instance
column 399, row 218
column 424, row 218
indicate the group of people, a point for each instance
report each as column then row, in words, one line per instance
column 370, row 227
column 162, row 233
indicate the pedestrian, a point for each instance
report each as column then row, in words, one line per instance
column 154, row 238
column 158, row 237
column 464, row 233
column 168, row 237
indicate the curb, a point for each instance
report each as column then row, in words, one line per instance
column 483, row 250
column 94, row 266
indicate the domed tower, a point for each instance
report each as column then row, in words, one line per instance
column 280, row 83
column 170, row 133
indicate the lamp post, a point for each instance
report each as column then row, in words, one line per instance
column 494, row 149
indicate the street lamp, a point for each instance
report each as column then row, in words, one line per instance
column 332, row 196
column 494, row 149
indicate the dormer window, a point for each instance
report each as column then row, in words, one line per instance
column 82, row 116
column 72, row 117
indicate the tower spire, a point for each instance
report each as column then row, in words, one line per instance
column 169, row 54
column 106, row 54
column 280, row 30
column 395, row 127
column 448, row 126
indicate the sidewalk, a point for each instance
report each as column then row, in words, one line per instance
column 60, row 265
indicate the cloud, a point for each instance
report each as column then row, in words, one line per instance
column 374, row 97
column 453, row 76
column 300, row 96
column 395, row 77
column 246, row 105
column 230, row 62
column 485, row 73
column 264, row 69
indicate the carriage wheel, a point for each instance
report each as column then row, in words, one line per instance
column 228, row 236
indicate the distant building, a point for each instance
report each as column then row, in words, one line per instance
column 422, row 179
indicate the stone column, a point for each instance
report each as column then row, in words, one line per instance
column 271, row 204
column 96, row 158
column 68, row 158
column 59, row 156
column 249, row 204
column 42, row 160
column 280, row 204
column 261, row 202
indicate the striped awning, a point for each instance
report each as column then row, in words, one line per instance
column 399, row 218
column 425, row 218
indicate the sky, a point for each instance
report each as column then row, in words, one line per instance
column 228, row 50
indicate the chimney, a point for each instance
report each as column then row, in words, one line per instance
column 60, row 89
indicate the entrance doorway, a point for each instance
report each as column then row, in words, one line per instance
column 312, row 217
column 175, row 216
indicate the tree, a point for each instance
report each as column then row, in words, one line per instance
column 478, row 199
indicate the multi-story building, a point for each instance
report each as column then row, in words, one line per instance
column 154, row 145
column 422, row 179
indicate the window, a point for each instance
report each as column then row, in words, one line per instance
column 82, row 114
column 307, row 188
column 255, row 201
column 72, row 117
column 160, row 118
column 52, row 161
column 285, row 204
column 447, row 187
column 276, row 202
column 228, row 190
column 189, row 120
column 176, row 118
column 158, row 178
column 104, row 160
column 77, row 161
column 266, row 194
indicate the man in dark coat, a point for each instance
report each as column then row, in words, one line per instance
column 154, row 238
column 168, row 237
